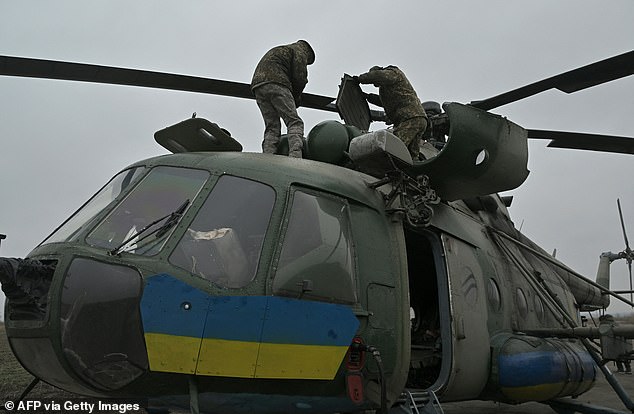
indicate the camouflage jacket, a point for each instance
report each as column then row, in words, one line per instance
column 286, row 65
column 398, row 97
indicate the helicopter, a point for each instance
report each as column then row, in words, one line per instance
column 358, row 279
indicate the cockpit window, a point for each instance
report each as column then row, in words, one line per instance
column 162, row 191
column 224, row 242
column 96, row 204
column 317, row 255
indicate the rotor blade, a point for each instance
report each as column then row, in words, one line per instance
column 627, row 243
column 591, row 142
column 51, row 69
column 572, row 81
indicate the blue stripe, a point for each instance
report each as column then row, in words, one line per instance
column 543, row 367
column 531, row 368
column 268, row 319
column 163, row 307
column 292, row 321
column 235, row 318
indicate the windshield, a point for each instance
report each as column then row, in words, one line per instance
column 224, row 242
column 161, row 192
column 94, row 206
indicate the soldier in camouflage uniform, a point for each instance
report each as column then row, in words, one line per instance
column 401, row 104
column 277, row 84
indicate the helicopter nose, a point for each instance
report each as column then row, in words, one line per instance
column 93, row 314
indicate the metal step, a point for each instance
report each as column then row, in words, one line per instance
column 417, row 402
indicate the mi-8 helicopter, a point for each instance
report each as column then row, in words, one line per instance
column 355, row 279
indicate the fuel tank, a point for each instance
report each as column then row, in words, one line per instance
column 526, row 368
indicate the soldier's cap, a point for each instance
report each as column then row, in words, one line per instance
column 309, row 49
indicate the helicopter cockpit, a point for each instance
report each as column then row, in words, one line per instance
column 228, row 230
column 223, row 243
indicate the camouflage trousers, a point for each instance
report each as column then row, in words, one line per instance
column 275, row 102
column 411, row 132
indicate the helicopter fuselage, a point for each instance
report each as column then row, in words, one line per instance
column 258, row 297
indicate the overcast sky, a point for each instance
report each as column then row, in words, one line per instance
column 60, row 141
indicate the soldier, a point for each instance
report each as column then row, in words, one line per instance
column 277, row 84
column 623, row 366
column 402, row 107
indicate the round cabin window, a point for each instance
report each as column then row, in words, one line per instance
column 493, row 295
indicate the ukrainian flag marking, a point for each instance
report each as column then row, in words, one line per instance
column 542, row 375
column 188, row 331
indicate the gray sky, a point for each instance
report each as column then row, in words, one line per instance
column 60, row 141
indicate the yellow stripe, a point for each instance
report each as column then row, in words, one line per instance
column 284, row 361
column 238, row 359
column 542, row 392
column 172, row 353
column 219, row 357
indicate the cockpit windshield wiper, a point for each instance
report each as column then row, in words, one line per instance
column 172, row 219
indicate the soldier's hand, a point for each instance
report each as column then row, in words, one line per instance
column 355, row 78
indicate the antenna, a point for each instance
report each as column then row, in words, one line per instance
column 627, row 254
